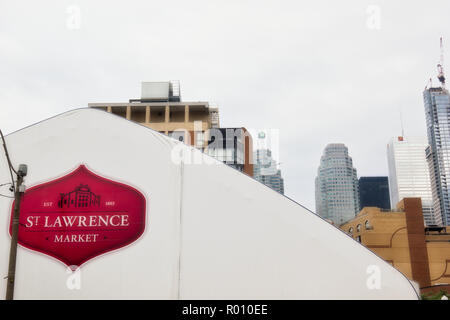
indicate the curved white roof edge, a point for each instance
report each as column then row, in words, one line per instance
column 211, row 232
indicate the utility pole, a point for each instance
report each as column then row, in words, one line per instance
column 18, row 193
column 19, row 189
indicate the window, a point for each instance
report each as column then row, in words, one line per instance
column 350, row 230
column 367, row 225
column 358, row 228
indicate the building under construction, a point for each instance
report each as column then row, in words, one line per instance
column 437, row 113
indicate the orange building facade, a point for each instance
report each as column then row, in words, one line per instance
column 400, row 237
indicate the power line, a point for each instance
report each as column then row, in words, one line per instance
column 11, row 168
column 18, row 192
column 5, row 184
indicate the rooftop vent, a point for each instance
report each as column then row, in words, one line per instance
column 160, row 91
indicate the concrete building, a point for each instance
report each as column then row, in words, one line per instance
column 437, row 112
column 161, row 108
column 400, row 238
column 266, row 170
column 337, row 191
column 232, row 146
column 374, row 192
column 409, row 176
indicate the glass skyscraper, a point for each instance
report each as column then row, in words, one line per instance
column 337, row 189
column 265, row 170
column 374, row 192
column 437, row 112
column 409, row 175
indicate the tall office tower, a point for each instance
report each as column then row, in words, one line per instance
column 437, row 112
column 337, row 190
column 409, row 176
column 265, row 170
column 374, row 192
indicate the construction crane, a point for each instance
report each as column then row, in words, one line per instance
column 429, row 84
column 440, row 67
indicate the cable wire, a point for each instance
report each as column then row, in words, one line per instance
column 11, row 168
column 5, row 184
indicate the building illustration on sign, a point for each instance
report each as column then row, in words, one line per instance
column 80, row 197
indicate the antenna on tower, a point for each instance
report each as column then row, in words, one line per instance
column 401, row 123
column 440, row 66
column 429, row 84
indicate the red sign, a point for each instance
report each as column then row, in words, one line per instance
column 80, row 216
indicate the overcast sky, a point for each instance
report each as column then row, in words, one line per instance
column 319, row 71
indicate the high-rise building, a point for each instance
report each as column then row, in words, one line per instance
column 265, row 170
column 374, row 192
column 409, row 176
column 232, row 146
column 337, row 190
column 195, row 123
column 437, row 112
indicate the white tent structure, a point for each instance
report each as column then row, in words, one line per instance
column 211, row 232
